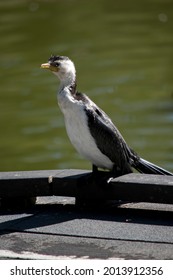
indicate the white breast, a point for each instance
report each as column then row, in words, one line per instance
column 78, row 131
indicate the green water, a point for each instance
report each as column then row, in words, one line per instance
column 123, row 52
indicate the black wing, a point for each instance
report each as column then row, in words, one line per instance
column 108, row 139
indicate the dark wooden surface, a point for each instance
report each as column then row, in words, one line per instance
column 81, row 184
column 57, row 227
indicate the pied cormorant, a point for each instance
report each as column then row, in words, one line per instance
column 90, row 130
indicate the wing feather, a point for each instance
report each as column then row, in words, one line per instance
column 108, row 138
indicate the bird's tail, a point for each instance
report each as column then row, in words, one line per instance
column 144, row 166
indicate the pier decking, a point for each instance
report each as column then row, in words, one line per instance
column 78, row 216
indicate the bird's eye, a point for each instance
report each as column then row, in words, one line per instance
column 54, row 63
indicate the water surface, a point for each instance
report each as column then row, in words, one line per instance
column 123, row 52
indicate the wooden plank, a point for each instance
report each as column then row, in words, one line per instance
column 82, row 185
column 143, row 187
column 26, row 183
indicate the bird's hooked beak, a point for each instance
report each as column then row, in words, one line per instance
column 49, row 67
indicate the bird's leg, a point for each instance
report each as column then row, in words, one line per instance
column 113, row 174
column 114, row 171
column 94, row 169
column 101, row 177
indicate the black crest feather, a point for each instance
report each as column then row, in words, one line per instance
column 57, row 58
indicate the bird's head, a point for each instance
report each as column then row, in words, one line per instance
column 62, row 67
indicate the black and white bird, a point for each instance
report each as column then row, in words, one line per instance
column 90, row 130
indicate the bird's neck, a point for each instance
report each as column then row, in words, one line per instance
column 66, row 95
column 69, row 84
